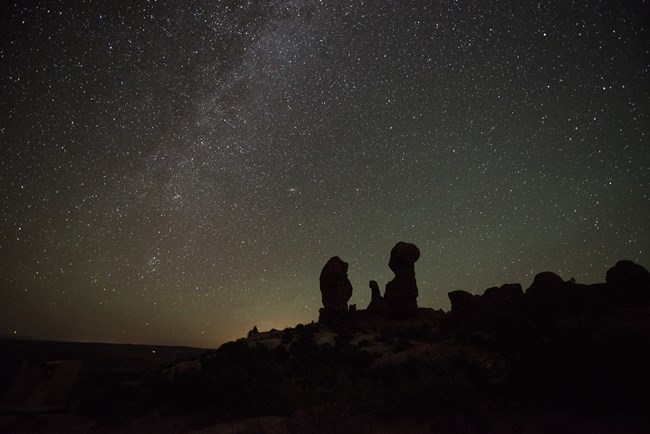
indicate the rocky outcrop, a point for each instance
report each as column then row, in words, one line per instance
column 629, row 284
column 504, row 293
column 545, row 284
column 335, row 288
column 463, row 301
column 499, row 306
column 549, row 302
column 401, row 293
column 628, row 274
column 377, row 301
column 496, row 298
column 502, row 302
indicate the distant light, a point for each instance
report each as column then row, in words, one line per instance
column 153, row 351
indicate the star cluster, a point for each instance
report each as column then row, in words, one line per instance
column 177, row 172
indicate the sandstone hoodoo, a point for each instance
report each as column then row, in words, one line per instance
column 377, row 301
column 401, row 293
column 335, row 288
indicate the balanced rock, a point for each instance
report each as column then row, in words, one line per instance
column 335, row 287
column 401, row 293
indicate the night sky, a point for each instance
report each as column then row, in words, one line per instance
column 178, row 172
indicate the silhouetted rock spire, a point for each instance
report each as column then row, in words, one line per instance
column 402, row 292
column 335, row 288
column 377, row 301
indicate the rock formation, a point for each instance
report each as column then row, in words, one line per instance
column 377, row 301
column 463, row 301
column 549, row 300
column 545, row 284
column 629, row 284
column 628, row 274
column 504, row 293
column 335, row 288
column 496, row 307
column 401, row 293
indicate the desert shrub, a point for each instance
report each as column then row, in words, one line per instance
column 353, row 357
column 280, row 354
column 235, row 381
column 343, row 337
column 402, row 345
column 253, row 427
column 385, row 338
column 287, row 336
column 422, row 333
column 304, row 347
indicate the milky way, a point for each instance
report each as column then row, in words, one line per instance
column 178, row 172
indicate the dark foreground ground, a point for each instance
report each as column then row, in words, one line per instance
column 419, row 375
column 104, row 369
column 560, row 357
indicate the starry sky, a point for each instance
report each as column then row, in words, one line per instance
column 178, row 172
